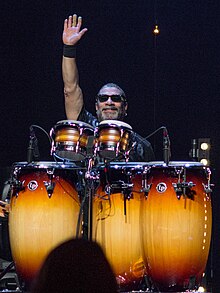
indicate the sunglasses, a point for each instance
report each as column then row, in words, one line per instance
column 114, row 98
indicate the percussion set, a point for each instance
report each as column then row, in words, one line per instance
column 153, row 220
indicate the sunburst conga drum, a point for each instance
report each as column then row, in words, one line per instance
column 116, row 211
column 44, row 209
column 176, row 222
column 70, row 139
column 113, row 139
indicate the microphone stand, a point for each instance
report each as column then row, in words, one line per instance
column 166, row 147
column 166, row 143
column 32, row 150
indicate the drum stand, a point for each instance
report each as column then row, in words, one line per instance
column 6, row 270
column 91, row 179
column 10, row 282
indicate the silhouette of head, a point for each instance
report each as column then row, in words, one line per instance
column 75, row 266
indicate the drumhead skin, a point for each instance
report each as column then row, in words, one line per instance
column 187, row 164
column 72, row 122
column 139, row 166
column 45, row 165
column 115, row 122
column 39, row 221
column 176, row 224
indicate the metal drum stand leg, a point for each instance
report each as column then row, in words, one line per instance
column 91, row 179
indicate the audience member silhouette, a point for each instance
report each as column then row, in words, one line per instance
column 75, row 266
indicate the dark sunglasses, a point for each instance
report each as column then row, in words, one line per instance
column 114, row 98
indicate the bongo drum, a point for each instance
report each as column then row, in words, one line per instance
column 70, row 139
column 44, row 210
column 176, row 222
column 114, row 139
column 116, row 208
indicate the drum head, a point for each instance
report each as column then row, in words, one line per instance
column 186, row 164
column 45, row 165
column 115, row 123
column 72, row 123
column 123, row 165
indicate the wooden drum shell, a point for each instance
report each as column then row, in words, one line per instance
column 37, row 222
column 70, row 139
column 116, row 227
column 113, row 138
column 175, row 233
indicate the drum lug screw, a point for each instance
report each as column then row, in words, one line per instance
column 128, row 194
column 18, row 186
column 207, row 189
column 180, row 188
column 49, row 187
column 146, row 190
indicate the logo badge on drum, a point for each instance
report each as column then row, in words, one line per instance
column 161, row 187
column 32, row 185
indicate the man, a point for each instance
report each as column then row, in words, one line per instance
column 111, row 102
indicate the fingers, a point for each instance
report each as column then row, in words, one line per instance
column 69, row 21
column 73, row 21
column 82, row 32
column 65, row 24
column 79, row 21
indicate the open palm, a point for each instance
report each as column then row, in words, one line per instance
column 72, row 32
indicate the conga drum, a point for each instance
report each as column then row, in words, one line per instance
column 176, row 222
column 70, row 139
column 44, row 209
column 116, row 212
column 113, row 139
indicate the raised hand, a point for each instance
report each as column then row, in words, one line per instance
column 72, row 32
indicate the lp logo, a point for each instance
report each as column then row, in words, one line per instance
column 161, row 187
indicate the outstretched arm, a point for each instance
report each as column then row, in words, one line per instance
column 72, row 33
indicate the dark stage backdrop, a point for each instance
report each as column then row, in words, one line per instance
column 170, row 80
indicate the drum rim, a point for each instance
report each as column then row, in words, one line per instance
column 116, row 122
column 46, row 165
column 121, row 165
column 154, row 163
column 175, row 164
column 72, row 123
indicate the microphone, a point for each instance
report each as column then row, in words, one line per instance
column 166, row 146
column 32, row 151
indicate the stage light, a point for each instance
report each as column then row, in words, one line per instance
column 200, row 150
column 205, row 162
column 156, row 30
column 204, row 147
column 201, row 289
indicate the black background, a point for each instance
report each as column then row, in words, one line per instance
column 171, row 79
